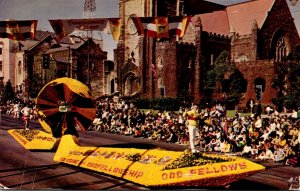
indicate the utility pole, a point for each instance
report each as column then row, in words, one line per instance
column 88, row 64
column 89, row 9
column 69, row 62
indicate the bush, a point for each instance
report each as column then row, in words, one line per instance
column 168, row 104
column 8, row 92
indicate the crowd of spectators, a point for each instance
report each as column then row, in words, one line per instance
column 15, row 108
column 274, row 136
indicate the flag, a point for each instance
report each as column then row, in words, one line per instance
column 155, row 27
column 13, row 30
column 162, row 27
column 28, row 28
column 65, row 27
column 18, row 30
column 115, row 27
column 178, row 25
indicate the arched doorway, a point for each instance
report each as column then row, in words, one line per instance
column 259, row 87
column 130, row 84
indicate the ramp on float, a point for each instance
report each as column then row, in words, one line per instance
column 34, row 139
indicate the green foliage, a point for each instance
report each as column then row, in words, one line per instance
column 210, row 82
column 232, row 100
column 216, row 74
column 215, row 78
column 278, row 83
column 288, row 80
column 188, row 159
column 290, row 101
column 36, row 85
column 168, row 104
column 237, row 82
column 8, row 92
column 207, row 102
column 236, row 86
column 221, row 65
column 142, row 103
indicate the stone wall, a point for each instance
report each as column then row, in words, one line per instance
column 96, row 59
column 166, row 68
column 260, row 69
column 163, row 64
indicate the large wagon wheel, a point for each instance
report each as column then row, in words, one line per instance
column 64, row 105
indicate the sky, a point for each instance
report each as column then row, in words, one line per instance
column 43, row 10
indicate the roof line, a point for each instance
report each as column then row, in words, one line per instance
column 39, row 42
column 240, row 3
column 267, row 14
column 224, row 6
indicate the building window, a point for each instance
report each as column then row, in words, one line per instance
column 280, row 46
column 0, row 51
column 112, row 86
column 20, row 67
column 280, row 49
column 160, row 62
column 242, row 58
column 212, row 59
column 1, row 66
column 162, row 91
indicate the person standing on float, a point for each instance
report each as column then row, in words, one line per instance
column 192, row 123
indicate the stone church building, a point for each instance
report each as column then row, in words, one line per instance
column 257, row 34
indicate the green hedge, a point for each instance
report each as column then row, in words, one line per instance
column 168, row 104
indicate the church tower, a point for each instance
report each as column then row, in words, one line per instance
column 130, row 47
column 137, row 57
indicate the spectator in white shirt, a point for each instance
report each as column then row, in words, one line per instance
column 265, row 135
column 294, row 115
column 272, row 125
column 267, row 154
column 17, row 110
column 247, row 150
column 258, row 122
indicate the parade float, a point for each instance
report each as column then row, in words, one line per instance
column 34, row 139
column 157, row 167
column 65, row 106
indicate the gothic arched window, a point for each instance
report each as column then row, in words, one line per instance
column 280, row 46
column 242, row 58
column 280, row 49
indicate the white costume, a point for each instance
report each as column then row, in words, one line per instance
column 192, row 117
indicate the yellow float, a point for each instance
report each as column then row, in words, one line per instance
column 154, row 167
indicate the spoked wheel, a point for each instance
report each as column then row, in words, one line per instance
column 64, row 106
